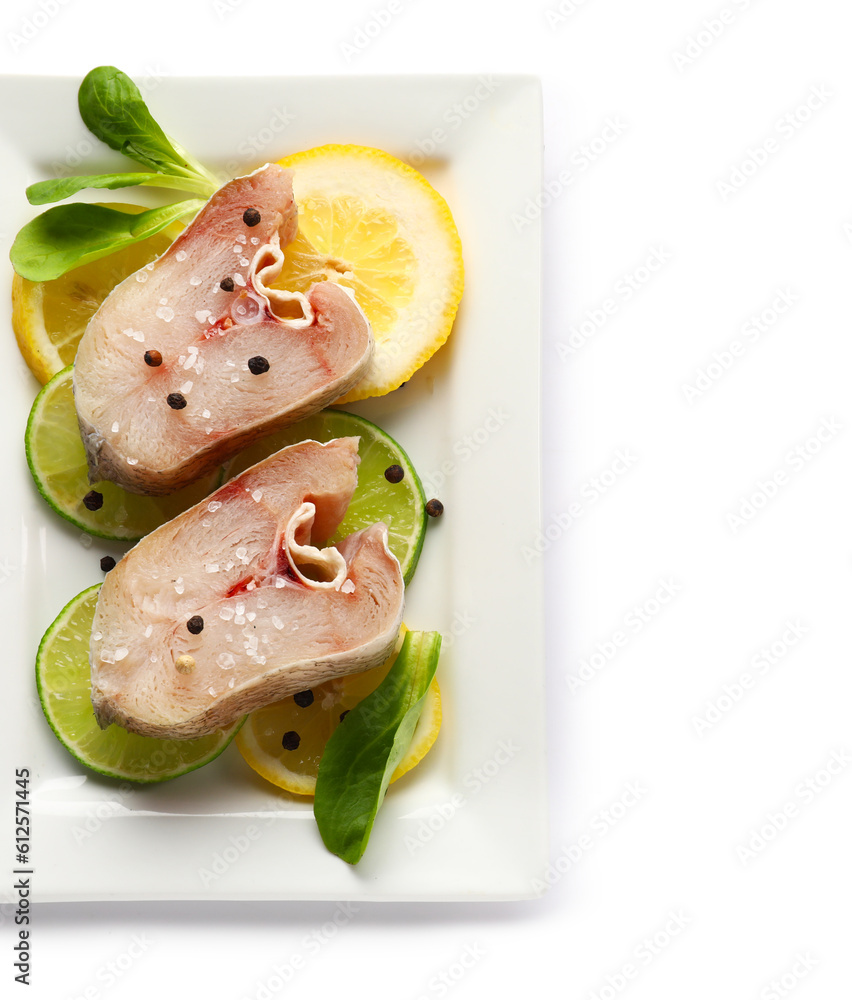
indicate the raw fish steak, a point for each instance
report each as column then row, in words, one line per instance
column 235, row 604
column 194, row 356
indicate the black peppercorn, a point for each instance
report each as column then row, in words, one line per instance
column 93, row 500
column 258, row 365
column 195, row 624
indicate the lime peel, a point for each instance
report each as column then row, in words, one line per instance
column 64, row 689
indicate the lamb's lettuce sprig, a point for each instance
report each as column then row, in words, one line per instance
column 67, row 236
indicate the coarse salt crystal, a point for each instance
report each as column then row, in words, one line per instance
column 251, row 585
column 244, row 261
column 205, row 414
column 212, row 567
column 348, row 587
column 97, row 636
column 235, row 377
column 213, row 505
column 186, row 387
column 115, row 427
column 180, row 255
column 251, row 616
column 195, row 281
column 141, row 277
column 225, row 661
column 238, row 248
column 238, row 278
column 241, row 238
column 206, row 522
column 202, row 315
column 179, row 587
column 148, row 630
column 226, row 613
column 165, row 313
column 132, row 461
column 257, row 495
column 254, row 241
column 280, row 582
column 86, row 541
column 239, row 619
column 276, row 621
column 121, row 653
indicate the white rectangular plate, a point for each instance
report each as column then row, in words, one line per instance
column 470, row 822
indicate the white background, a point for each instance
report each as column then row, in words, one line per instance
column 658, row 117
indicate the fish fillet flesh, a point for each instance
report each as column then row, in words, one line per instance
column 236, row 604
column 194, row 356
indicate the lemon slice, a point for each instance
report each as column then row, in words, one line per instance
column 49, row 317
column 373, row 224
column 64, row 687
column 285, row 741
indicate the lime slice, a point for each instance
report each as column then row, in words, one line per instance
column 401, row 505
column 57, row 461
column 64, row 687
